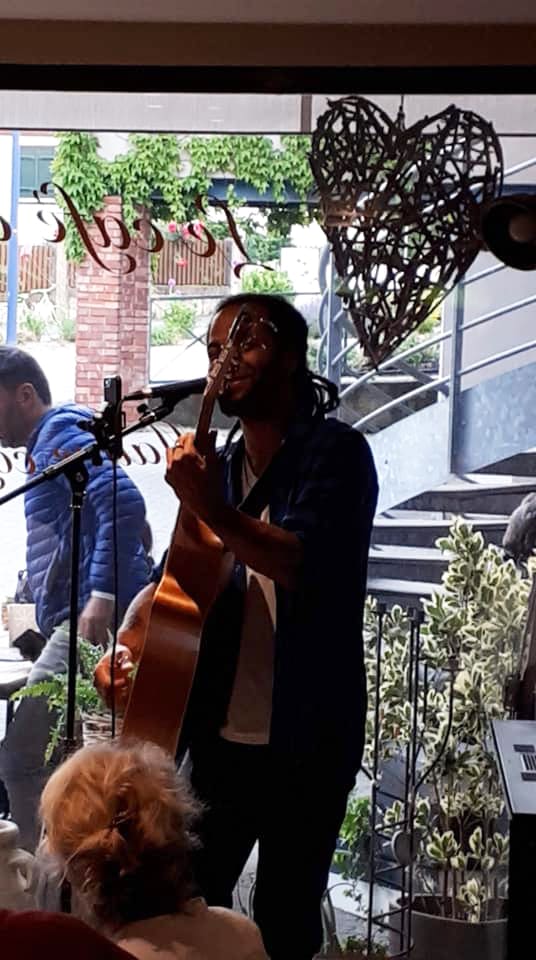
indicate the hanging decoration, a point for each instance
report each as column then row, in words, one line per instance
column 401, row 209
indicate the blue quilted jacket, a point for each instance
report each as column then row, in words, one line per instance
column 48, row 521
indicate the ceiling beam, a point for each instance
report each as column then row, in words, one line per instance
column 265, row 45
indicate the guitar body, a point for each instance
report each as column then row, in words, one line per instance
column 166, row 649
column 195, row 571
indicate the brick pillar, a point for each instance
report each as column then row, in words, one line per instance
column 112, row 334
column 135, row 318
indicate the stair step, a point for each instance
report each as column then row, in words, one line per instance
column 487, row 480
column 475, row 493
column 415, row 563
column 422, row 529
column 404, row 592
column 522, row 464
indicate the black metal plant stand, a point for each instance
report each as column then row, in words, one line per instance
column 394, row 846
column 391, row 849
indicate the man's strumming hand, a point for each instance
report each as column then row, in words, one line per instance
column 196, row 479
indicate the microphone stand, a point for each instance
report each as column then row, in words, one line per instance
column 108, row 437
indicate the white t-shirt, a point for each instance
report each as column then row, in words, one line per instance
column 199, row 933
column 250, row 707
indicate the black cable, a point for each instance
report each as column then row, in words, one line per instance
column 115, row 562
column 115, row 566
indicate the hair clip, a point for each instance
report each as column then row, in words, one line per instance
column 118, row 820
column 269, row 323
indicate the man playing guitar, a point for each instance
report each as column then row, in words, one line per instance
column 275, row 720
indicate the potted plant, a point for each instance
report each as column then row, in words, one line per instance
column 353, row 850
column 92, row 713
column 470, row 645
column 351, row 862
column 353, row 947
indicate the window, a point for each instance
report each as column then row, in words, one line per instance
column 34, row 168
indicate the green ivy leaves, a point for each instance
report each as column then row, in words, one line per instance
column 165, row 174
column 78, row 168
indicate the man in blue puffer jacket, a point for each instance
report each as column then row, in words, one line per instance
column 28, row 419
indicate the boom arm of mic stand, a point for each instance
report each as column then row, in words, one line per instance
column 151, row 416
column 55, row 470
column 85, row 453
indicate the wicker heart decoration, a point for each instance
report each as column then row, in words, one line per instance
column 401, row 210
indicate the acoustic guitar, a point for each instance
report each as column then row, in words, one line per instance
column 196, row 569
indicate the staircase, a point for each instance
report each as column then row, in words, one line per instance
column 451, row 442
column 404, row 563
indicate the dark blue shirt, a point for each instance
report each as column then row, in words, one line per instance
column 322, row 486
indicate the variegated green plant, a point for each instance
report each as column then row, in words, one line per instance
column 470, row 644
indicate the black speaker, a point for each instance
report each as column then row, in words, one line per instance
column 515, row 751
column 508, row 228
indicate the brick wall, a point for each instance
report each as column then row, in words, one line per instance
column 112, row 334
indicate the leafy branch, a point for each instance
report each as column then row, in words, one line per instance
column 55, row 690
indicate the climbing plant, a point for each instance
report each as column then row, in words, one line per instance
column 78, row 168
column 256, row 160
column 165, row 174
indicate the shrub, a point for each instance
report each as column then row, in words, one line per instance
column 176, row 323
column 67, row 328
column 470, row 645
column 266, row 281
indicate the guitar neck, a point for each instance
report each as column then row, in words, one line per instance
column 214, row 382
column 203, row 424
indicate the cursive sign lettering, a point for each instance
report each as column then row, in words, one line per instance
column 158, row 238
column 233, row 231
column 124, row 242
column 138, row 454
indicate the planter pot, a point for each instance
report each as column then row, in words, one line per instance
column 441, row 938
column 18, row 875
column 348, row 955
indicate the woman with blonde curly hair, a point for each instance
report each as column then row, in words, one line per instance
column 117, row 819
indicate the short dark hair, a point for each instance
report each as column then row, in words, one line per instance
column 318, row 395
column 18, row 367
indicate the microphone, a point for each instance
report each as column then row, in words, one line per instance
column 175, row 391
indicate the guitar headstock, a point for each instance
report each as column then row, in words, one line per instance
column 218, row 371
column 220, row 366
